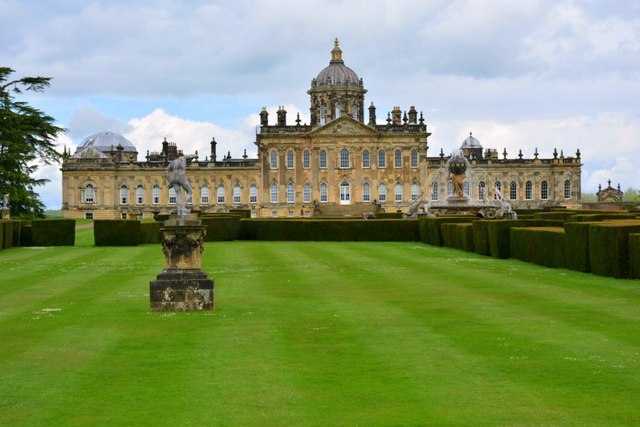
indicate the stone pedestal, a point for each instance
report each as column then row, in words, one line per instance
column 182, row 285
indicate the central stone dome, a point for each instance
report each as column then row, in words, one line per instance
column 337, row 73
column 107, row 141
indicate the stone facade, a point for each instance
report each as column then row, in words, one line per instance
column 339, row 164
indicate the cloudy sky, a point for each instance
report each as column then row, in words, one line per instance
column 520, row 74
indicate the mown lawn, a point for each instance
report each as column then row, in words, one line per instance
column 309, row 333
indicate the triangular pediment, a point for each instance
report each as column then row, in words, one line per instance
column 345, row 126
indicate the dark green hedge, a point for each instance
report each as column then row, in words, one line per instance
column 17, row 232
column 5, row 237
column 539, row 245
column 634, row 255
column 330, row 230
column 388, row 215
column 609, row 247
column 244, row 213
column 25, row 234
column 558, row 215
column 221, row 228
column 430, row 227
column 150, row 232
column 499, row 235
column 53, row 232
column 481, row 237
column 116, row 232
column 458, row 236
column 601, row 217
column 577, row 246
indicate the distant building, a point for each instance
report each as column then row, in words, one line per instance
column 336, row 165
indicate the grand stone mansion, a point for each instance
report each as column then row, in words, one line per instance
column 338, row 164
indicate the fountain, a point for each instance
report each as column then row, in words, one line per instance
column 463, row 178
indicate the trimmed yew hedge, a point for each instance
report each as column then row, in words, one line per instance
column 116, row 232
column 458, row 236
column 221, row 228
column 150, row 232
column 356, row 230
column 601, row 217
column 609, row 247
column 634, row 255
column 499, row 235
column 2, row 233
column 554, row 215
column 576, row 255
column 430, row 227
column 53, row 232
column 539, row 245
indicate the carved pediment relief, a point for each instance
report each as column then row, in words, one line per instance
column 343, row 126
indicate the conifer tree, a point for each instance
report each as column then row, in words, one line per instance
column 27, row 141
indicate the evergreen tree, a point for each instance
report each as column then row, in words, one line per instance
column 27, row 140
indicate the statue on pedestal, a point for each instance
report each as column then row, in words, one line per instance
column 177, row 180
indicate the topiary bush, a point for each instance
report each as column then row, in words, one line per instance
column 116, row 232
column 53, row 232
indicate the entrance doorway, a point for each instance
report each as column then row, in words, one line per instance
column 345, row 193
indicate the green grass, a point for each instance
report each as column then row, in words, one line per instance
column 315, row 334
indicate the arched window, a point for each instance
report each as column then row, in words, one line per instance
column 323, row 192
column 290, row 159
column 366, row 159
column 449, row 188
column 415, row 191
column 414, row 158
column 354, row 112
column 306, row 159
column 434, row 191
column 513, row 190
column 253, row 193
column 567, row 189
column 482, row 190
column 291, row 192
column 382, row 163
column 139, row 195
column 274, row 192
column 397, row 159
column 465, row 188
column 124, row 195
column 382, row 192
column 544, row 190
column 155, row 194
column 204, row 194
column 220, row 194
column 344, row 158
column 172, row 196
column 273, row 159
column 323, row 115
column 338, row 111
column 306, row 193
column 528, row 190
column 237, row 194
column 366, row 192
column 398, row 192
column 89, row 194
column 498, row 187
column 323, row 159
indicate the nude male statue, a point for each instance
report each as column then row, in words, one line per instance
column 175, row 174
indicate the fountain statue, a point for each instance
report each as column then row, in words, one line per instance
column 459, row 172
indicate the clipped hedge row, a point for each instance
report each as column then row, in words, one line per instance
column 458, row 236
column 602, row 216
column 539, row 245
column 634, row 255
column 4, row 230
column 609, row 247
column 499, row 235
column 53, row 232
column 149, row 232
column 116, row 232
column 430, row 227
column 389, row 215
column 577, row 246
column 221, row 228
column 558, row 215
column 329, row 230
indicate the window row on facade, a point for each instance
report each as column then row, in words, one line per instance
column 511, row 194
column 344, row 160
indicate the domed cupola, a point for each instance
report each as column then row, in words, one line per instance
column 471, row 148
column 109, row 144
column 336, row 91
